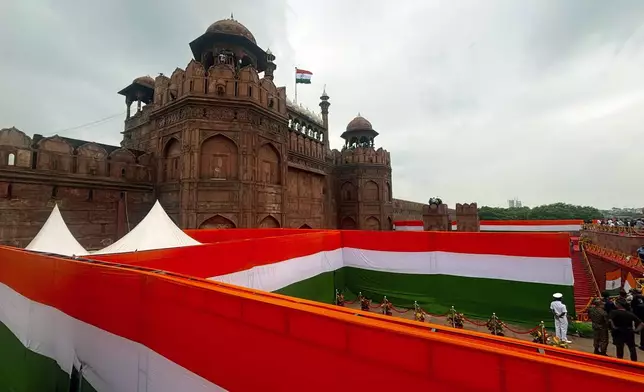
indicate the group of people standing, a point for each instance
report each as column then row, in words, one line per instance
column 622, row 318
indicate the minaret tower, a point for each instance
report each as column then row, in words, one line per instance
column 324, row 105
column 363, row 180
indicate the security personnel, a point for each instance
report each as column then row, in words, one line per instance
column 559, row 310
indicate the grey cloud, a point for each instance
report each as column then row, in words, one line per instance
column 475, row 100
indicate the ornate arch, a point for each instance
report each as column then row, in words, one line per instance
column 348, row 223
column 55, row 144
column 371, row 191
column 372, row 223
column 171, row 159
column 348, row 192
column 172, row 147
column 388, row 194
column 218, row 158
column 91, row 159
column 217, row 222
column 122, row 155
column 14, row 137
column 269, row 164
column 269, row 222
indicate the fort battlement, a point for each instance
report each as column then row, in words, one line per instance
column 467, row 217
column 367, row 155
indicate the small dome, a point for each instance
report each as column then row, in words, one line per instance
column 144, row 80
column 359, row 124
column 232, row 27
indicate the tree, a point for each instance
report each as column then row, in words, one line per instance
column 544, row 212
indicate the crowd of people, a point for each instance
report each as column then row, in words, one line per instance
column 619, row 222
column 620, row 318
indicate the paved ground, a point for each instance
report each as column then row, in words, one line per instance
column 578, row 343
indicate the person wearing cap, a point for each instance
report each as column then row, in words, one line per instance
column 624, row 325
column 560, row 312
column 599, row 318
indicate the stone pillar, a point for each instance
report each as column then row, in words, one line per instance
column 436, row 218
column 467, row 217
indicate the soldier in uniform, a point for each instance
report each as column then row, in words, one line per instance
column 599, row 318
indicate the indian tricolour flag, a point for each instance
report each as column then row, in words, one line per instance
column 303, row 76
column 613, row 281
column 630, row 282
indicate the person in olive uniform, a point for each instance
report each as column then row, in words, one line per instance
column 599, row 318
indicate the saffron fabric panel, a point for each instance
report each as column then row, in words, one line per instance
column 242, row 341
column 108, row 362
column 228, row 257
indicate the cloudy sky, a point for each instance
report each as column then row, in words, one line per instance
column 476, row 100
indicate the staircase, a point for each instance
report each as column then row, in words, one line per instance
column 585, row 286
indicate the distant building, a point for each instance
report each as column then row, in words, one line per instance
column 514, row 203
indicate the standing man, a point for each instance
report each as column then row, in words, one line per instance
column 560, row 312
column 638, row 309
column 599, row 318
column 625, row 325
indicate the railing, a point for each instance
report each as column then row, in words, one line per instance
column 615, row 256
column 619, row 230
column 588, row 268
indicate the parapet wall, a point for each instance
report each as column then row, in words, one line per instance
column 132, row 313
column 467, row 217
column 624, row 243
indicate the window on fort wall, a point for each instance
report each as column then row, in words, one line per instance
column 11, row 159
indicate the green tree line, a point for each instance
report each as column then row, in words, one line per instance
column 548, row 211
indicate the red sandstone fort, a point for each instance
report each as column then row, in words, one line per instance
column 218, row 143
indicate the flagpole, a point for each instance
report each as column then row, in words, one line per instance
column 295, row 85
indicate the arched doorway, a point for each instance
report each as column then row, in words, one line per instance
column 372, row 223
column 217, row 222
column 269, row 223
column 269, row 165
column 218, row 159
column 371, row 191
column 305, row 226
column 347, row 223
column 171, row 156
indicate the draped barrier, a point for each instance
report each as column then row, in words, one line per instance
column 129, row 330
column 209, row 236
column 559, row 225
column 472, row 271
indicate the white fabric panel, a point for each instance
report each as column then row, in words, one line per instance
column 156, row 231
column 271, row 277
column 110, row 362
column 538, row 228
column 55, row 237
column 408, row 228
column 547, row 270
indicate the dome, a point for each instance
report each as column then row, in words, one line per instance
column 232, row 27
column 144, row 80
column 359, row 124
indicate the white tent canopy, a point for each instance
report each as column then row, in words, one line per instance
column 55, row 237
column 156, row 231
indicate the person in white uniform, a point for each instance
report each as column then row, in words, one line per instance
column 560, row 312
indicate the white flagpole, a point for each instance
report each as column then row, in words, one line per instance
column 295, row 85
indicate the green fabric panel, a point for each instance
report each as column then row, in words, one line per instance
column 22, row 370
column 318, row 288
column 515, row 302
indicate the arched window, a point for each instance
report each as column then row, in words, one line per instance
column 11, row 159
